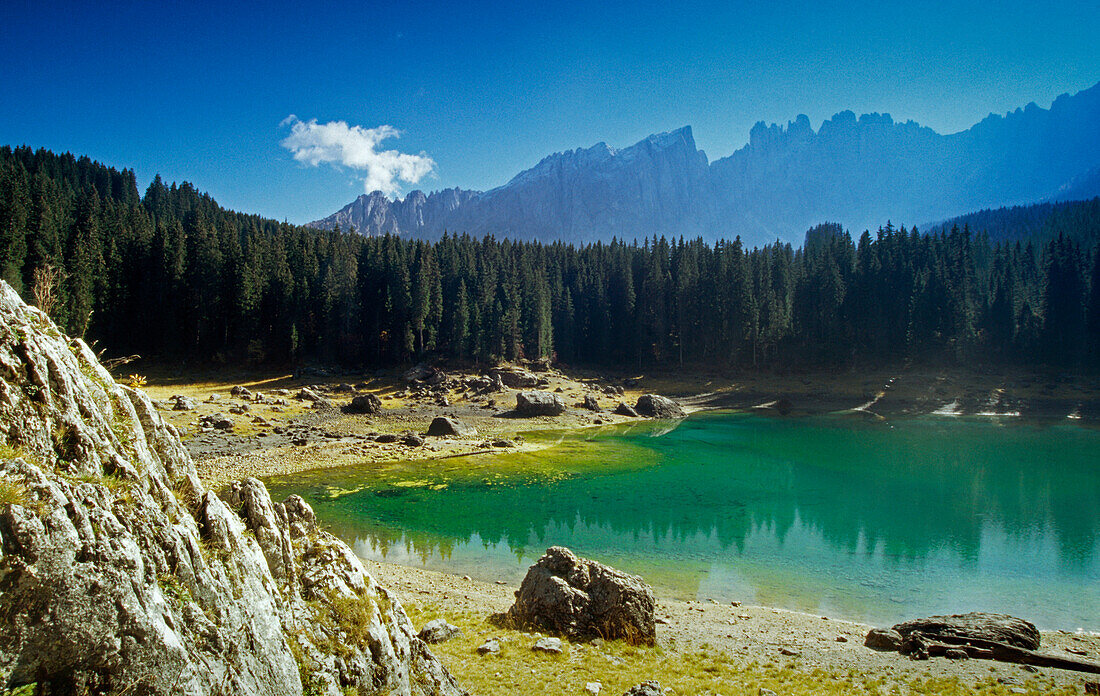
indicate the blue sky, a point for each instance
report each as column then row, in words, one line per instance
column 202, row 91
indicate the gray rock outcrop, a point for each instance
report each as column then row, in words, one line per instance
column 121, row 572
column 1000, row 628
column 579, row 598
column 514, row 377
column 539, row 403
column 656, row 406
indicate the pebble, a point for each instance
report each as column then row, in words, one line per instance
column 593, row 688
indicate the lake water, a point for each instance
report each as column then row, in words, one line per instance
column 872, row 521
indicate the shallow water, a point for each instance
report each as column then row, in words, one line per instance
column 841, row 516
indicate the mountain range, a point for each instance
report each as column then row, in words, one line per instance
column 860, row 172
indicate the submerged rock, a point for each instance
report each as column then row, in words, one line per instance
column 579, row 598
column 121, row 570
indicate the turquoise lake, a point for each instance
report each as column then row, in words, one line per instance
column 835, row 515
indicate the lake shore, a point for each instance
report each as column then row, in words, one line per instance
column 271, row 438
column 746, row 636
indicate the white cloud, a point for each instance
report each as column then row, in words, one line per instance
column 355, row 147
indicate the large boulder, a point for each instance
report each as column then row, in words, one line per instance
column 368, row 404
column 539, row 403
column 121, row 571
column 656, row 406
column 515, row 377
column 579, row 598
column 1000, row 628
column 445, row 426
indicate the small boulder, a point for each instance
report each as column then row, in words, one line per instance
column 217, row 421
column 387, row 437
column 539, row 403
column 445, row 426
column 646, row 688
column 412, row 441
column 365, row 403
column 624, row 409
column 438, row 631
column 418, row 373
column 593, row 688
column 183, row 403
column 489, row 647
column 883, row 640
column 656, row 406
column 591, row 403
column 307, row 394
column 241, row 392
column 548, row 645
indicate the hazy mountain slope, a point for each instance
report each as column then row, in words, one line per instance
column 859, row 171
column 1038, row 223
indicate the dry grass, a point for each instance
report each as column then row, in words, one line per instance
column 12, row 493
column 519, row 671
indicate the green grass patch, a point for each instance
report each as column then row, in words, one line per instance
column 519, row 671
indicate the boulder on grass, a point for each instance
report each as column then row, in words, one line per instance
column 646, row 688
column 579, row 598
column 365, row 403
column 445, row 426
column 656, row 406
column 438, row 631
column 539, row 403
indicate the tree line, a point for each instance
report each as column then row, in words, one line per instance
column 172, row 275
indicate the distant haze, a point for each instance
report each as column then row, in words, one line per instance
column 859, row 172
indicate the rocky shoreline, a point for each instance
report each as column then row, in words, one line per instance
column 273, row 433
column 748, row 634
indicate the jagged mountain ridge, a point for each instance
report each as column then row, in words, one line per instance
column 861, row 171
